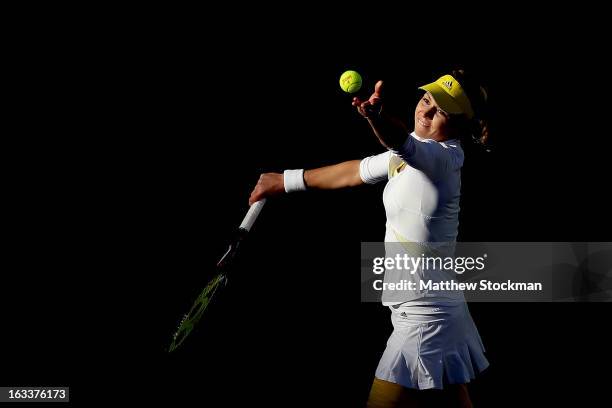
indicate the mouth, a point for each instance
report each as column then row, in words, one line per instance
column 423, row 123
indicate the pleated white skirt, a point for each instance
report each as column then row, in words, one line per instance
column 432, row 344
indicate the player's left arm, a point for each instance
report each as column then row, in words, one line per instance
column 429, row 156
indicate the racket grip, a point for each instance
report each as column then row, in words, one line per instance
column 252, row 214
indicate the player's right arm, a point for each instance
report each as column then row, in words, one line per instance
column 341, row 175
column 350, row 173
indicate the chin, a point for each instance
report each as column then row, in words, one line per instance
column 421, row 131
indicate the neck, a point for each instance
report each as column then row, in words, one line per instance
column 437, row 138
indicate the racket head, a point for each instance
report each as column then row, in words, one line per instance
column 201, row 304
column 197, row 310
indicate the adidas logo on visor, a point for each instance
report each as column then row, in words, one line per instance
column 448, row 84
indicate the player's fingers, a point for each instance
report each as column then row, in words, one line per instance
column 256, row 195
column 256, row 190
column 378, row 89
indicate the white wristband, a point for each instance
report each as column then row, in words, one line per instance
column 294, row 180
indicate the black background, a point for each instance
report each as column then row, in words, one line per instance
column 131, row 162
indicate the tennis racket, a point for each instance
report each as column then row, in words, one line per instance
column 218, row 281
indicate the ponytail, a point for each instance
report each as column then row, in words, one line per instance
column 478, row 128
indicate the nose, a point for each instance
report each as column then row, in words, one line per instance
column 430, row 112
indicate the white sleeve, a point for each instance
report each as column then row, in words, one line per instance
column 374, row 169
column 431, row 157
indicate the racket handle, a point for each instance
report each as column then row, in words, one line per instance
column 252, row 214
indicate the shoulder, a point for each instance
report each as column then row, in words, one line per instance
column 454, row 148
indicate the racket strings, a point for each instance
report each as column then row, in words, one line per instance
column 197, row 310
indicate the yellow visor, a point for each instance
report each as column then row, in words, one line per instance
column 449, row 96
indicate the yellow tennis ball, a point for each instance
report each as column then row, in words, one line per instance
column 350, row 81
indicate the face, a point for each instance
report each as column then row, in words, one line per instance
column 430, row 121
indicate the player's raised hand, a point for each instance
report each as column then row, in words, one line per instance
column 371, row 106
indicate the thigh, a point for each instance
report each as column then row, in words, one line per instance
column 385, row 394
column 457, row 395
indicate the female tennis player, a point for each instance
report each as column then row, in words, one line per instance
column 435, row 348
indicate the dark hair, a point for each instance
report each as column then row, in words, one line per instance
column 477, row 128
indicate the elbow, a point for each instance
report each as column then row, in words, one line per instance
column 355, row 174
column 352, row 179
column 355, row 181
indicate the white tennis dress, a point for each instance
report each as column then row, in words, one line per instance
column 435, row 340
